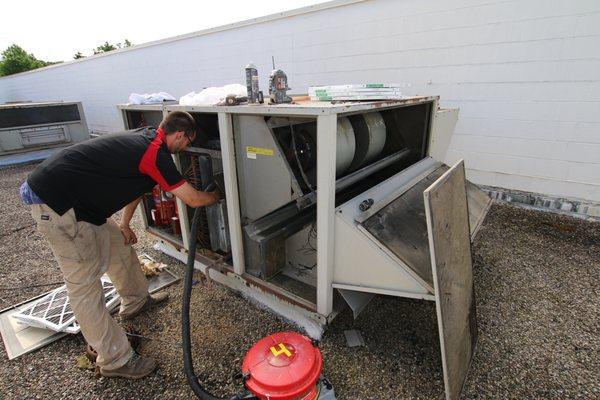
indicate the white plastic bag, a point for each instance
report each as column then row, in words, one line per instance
column 152, row 98
column 213, row 95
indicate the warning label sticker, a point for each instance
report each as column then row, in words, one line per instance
column 259, row 150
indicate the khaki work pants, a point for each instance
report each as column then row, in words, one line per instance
column 84, row 253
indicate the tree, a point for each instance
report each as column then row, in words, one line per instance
column 15, row 59
column 109, row 47
column 78, row 55
column 104, row 48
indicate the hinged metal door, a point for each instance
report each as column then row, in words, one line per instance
column 450, row 251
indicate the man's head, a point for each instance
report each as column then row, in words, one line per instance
column 180, row 130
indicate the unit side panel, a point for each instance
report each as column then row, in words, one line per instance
column 360, row 262
column 264, row 181
column 450, row 246
column 444, row 122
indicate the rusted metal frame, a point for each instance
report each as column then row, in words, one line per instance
column 219, row 265
column 363, row 107
column 165, row 237
column 279, row 292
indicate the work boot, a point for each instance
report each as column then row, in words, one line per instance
column 151, row 301
column 135, row 368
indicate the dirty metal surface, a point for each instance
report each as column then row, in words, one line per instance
column 450, row 250
column 400, row 226
column 162, row 280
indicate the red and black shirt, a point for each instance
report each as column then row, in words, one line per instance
column 100, row 176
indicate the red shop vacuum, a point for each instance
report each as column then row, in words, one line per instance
column 286, row 366
column 282, row 366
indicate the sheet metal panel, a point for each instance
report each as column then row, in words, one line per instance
column 19, row 338
column 362, row 263
column 402, row 221
column 400, row 226
column 263, row 179
column 450, row 251
column 444, row 123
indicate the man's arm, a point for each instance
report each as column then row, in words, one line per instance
column 126, row 230
column 195, row 198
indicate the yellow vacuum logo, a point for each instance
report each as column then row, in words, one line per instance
column 282, row 350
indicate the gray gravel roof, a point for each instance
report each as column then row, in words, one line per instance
column 537, row 288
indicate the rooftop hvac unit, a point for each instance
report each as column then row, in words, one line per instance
column 25, row 127
column 326, row 204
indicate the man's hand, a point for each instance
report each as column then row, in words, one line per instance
column 126, row 231
column 128, row 234
column 195, row 198
column 216, row 196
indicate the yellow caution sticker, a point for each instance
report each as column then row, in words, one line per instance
column 282, row 350
column 259, row 150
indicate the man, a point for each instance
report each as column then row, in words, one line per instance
column 73, row 195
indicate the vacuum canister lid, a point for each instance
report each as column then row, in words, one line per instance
column 283, row 366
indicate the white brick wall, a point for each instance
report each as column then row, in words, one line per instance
column 525, row 74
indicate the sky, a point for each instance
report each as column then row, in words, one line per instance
column 56, row 30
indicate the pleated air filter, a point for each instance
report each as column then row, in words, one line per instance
column 54, row 312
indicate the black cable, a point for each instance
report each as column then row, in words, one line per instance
column 34, row 252
column 14, row 230
column 188, row 364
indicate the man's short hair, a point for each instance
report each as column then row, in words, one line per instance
column 179, row 121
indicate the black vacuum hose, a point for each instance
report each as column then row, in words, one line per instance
column 188, row 364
